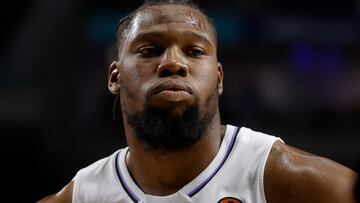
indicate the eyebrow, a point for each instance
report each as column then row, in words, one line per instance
column 198, row 37
column 160, row 35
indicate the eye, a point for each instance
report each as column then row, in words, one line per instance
column 195, row 52
column 150, row 51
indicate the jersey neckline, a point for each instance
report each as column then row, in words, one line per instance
column 190, row 189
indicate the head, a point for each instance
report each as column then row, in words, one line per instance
column 167, row 74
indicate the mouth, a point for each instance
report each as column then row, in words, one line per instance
column 172, row 91
column 170, row 85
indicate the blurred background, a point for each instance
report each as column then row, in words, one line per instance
column 292, row 69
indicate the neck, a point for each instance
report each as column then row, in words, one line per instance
column 163, row 173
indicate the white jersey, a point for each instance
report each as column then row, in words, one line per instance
column 236, row 175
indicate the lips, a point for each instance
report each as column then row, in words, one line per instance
column 172, row 91
column 171, row 85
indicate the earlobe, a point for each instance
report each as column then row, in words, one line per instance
column 114, row 78
column 220, row 74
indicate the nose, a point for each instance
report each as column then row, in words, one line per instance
column 172, row 64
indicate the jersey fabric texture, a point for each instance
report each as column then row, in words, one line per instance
column 236, row 174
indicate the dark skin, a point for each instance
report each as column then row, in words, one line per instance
column 174, row 45
column 183, row 50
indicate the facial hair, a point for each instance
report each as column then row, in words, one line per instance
column 160, row 130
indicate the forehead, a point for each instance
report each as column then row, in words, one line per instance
column 156, row 16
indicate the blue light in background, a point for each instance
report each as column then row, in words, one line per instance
column 230, row 26
column 325, row 59
column 101, row 29
column 330, row 58
column 302, row 55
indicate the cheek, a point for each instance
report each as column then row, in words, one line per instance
column 129, row 82
column 134, row 74
column 133, row 79
column 207, row 81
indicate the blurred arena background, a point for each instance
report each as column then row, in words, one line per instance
column 292, row 69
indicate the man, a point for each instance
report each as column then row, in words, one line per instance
column 168, row 80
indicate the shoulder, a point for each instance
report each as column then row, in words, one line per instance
column 64, row 196
column 292, row 175
column 87, row 177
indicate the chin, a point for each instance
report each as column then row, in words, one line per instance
column 173, row 108
column 170, row 128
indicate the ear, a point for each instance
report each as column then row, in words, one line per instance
column 220, row 75
column 114, row 78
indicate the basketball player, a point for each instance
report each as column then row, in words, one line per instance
column 168, row 79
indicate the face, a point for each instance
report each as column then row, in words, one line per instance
column 168, row 77
column 168, row 61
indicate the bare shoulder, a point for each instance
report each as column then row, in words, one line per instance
column 292, row 175
column 63, row 196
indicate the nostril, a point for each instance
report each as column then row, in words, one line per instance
column 165, row 73
column 181, row 72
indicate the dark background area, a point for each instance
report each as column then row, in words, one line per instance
column 292, row 69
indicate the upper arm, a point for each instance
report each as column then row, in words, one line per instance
column 292, row 175
column 63, row 196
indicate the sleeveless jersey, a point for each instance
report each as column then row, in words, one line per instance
column 235, row 175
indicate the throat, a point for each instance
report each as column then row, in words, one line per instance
column 163, row 174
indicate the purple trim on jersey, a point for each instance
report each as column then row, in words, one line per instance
column 231, row 145
column 122, row 181
column 194, row 191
